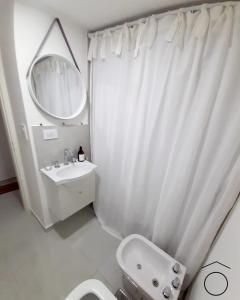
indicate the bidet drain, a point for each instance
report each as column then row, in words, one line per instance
column 155, row 282
column 139, row 266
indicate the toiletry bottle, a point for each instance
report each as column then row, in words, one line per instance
column 81, row 155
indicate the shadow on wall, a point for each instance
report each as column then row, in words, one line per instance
column 6, row 167
column 28, row 181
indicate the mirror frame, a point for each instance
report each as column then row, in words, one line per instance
column 84, row 92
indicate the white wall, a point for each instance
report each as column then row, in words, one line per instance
column 30, row 26
column 226, row 250
column 12, row 96
column 6, row 163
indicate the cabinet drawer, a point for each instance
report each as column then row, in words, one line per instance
column 80, row 186
column 74, row 196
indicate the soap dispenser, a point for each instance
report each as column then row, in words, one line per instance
column 81, row 154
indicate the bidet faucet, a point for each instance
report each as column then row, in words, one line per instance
column 68, row 156
column 166, row 292
column 176, row 268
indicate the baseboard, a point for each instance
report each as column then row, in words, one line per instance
column 8, row 180
column 8, row 185
column 46, row 228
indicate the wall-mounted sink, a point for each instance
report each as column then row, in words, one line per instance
column 67, row 173
column 70, row 187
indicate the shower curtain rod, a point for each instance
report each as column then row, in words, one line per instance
column 160, row 15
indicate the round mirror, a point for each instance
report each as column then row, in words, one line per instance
column 57, row 87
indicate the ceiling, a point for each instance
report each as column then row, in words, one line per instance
column 96, row 14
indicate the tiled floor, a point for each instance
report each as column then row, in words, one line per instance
column 38, row 265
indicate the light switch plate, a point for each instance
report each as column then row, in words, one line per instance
column 50, row 134
column 24, row 131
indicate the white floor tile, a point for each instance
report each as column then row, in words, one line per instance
column 94, row 242
column 112, row 272
column 35, row 264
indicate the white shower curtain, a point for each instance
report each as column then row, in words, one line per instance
column 166, row 128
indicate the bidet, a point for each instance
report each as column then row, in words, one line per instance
column 148, row 271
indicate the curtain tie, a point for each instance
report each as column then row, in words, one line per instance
column 141, row 28
column 92, row 52
column 119, row 45
column 104, row 44
column 151, row 32
column 201, row 26
column 177, row 30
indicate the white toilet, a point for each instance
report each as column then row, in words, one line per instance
column 91, row 286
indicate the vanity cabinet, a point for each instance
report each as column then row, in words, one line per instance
column 73, row 196
column 70, row 188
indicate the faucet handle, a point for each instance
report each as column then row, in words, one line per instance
column 176, row 282
column 56, row 164
column 176, row 268
column 74, row 160
column 166, row 292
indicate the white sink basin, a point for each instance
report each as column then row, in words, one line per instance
column 149, row 268
column 67, row 173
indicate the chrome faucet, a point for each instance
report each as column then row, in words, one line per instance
column 68, row 156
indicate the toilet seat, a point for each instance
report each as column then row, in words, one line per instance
column 91, row 286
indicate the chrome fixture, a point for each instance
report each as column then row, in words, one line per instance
column 56, row 164
column 176, row 283
column 166, row 292
column 176, row 268
column 139, row 266
column 68, row 156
